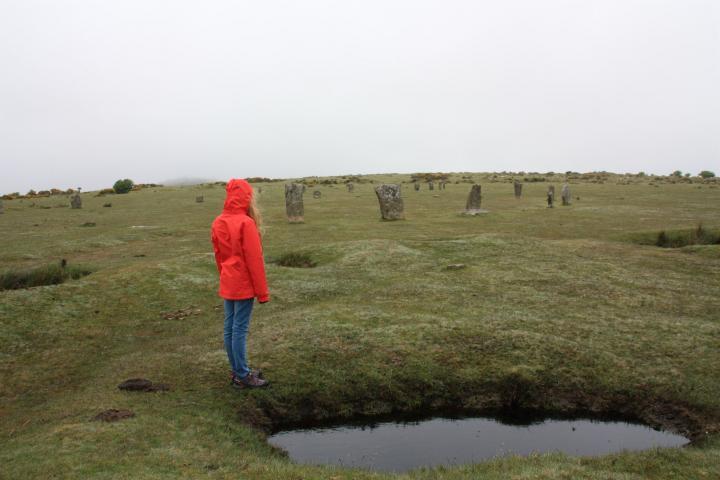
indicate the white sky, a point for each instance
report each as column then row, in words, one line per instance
column 96, row 90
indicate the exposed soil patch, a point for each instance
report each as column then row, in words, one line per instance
column 182, row 313
column 143, row 385
column 113, row 415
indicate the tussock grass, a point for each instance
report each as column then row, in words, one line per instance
column 52, row 274
column 678, row 238
column 296, row 260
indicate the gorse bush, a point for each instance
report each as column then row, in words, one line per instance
column 296, row 260
column 123, row 186
column 46, row 275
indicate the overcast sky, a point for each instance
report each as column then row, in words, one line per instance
column 96, row 90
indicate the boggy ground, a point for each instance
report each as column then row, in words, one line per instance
column 556, row 310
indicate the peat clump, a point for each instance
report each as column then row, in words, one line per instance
column 113, row 415
column 142, row 385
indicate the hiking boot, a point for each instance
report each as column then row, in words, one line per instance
column 258, row 373
column 251, row 380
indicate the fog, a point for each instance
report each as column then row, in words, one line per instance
column 92, row 91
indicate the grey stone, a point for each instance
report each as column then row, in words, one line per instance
column 456, row 266
column 317, row 194
column 431, row 185
column 565, row 195
column 417, row 187
column 391, row 202
column 199, row 199
column 75, row 200
column 474, row 199
column 518, row 189
column 294, row 202
column 551, row 196
column 350, row 187
column 2, row 208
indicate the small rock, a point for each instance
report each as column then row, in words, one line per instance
column 113, row 415
column 107, row 205
column 456, row 266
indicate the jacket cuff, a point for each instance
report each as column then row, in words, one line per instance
column 263, row 298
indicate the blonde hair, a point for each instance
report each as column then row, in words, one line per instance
column 254, row 212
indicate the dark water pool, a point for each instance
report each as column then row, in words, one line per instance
column 396, row 447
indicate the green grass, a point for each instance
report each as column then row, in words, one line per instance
column 557, row 309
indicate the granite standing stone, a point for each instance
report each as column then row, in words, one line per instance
column 565, row 195
column 551, row 196
column 417, row 187
column 391, row 202
column 2, row 208
column 351, row 187
column 518, row 189
column 75, row 200
column 472, row 207
column 294, row 202
column 431, row 185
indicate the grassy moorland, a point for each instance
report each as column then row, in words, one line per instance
column 563, row 310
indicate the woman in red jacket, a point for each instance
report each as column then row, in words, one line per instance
column 238, row 254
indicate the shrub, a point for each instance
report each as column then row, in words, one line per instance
column 296, row 260
column 676, row 173
column 123, row 186
column 46, row 275
column 706, row 174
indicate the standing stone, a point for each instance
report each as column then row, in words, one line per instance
column 431, row 185
column 417, row 187
column 199, row 199
column 75, row 200
column 391, row 203
column 351, row 187
column 2, row 209
column 472, row 207
column 565, row 195
column 550, row 196
column 518, row 189
column 294, row 202
column 317, row 194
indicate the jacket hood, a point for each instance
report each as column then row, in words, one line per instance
column 239, row 194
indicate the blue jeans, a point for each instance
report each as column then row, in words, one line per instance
column 237, row 323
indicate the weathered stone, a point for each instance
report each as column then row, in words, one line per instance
column 551, row 196
column 75, row 200
column 431, row 185
column 350, row 187
column 391, row 202
column 518, row 189
column 294, row 202
column 565, row 195
column 2, row 208
column 417, row 187
column 456, row 266
column 474, row 199
column 317, row 194
column 199, row 199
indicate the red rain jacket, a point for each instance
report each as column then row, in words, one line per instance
column 238, row 250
